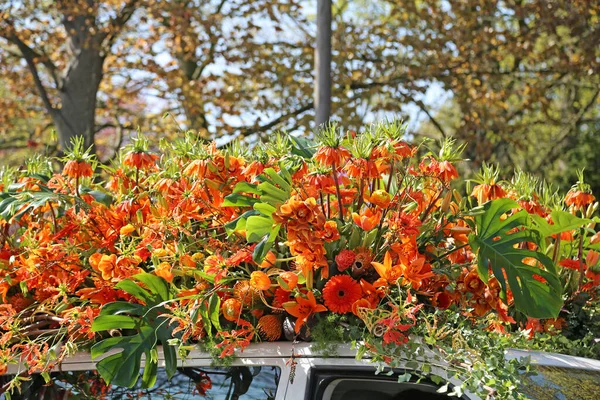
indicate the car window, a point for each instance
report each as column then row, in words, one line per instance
column 366, row 389
column 363, row 384
column 562, row 384
column 216, row 383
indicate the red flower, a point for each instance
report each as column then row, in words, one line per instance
column 340, row 293
column 203, row 384
column 571, row 264
column 345, row 259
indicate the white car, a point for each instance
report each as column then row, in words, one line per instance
column 269, row 371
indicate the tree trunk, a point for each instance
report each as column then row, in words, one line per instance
column 322, row 94
column 78, row 94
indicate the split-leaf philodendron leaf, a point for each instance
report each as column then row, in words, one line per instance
column 500, row 244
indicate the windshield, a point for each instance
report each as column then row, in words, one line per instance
column 562, row 384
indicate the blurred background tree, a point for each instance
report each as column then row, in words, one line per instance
column 516, row 79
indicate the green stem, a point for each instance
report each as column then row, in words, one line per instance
column 337, row 191
column 580, row 256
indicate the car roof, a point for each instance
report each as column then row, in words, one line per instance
column 284, row 350
column 555, row 359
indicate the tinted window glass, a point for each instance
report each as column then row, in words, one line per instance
column 562, row 384
column 217, row 383
column 365, row 389
column 353, row 383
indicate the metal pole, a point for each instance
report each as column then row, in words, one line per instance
column 322, row 95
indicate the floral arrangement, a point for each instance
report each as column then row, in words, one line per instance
column 223, row 247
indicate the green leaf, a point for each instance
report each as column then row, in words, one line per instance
column 278, row 180
column 563, row 221
column 245, row 187
column 238, row 200
column 164, row 335
column 150, row 369
column 263, row 247
column 239, row 223
column 108, row 322
column 257, row 227
column 214, row 307
column 203, row 309
column 122, row 307
column 302, row 147
column 265, row 209
column 495, row 248
column 135, row 290
column 157, row 285
column 272, row 192
column 123, row 368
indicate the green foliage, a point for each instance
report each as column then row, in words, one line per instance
column 123, row 367
column 502, row 246
column 272, row 191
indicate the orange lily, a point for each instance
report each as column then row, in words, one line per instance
column 387, row 271
column 303, row 308
column 416, row 271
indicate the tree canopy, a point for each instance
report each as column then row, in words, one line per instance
column 520, row 76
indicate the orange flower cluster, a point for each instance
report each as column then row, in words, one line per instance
column 307, row 232
column 249, row 242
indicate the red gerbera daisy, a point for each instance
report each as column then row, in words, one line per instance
column 340, row 292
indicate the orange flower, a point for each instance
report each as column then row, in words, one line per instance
column 367, row 219
column 447, row 171
column 473, row 283
column 244, row 292
column 331, row 233
column 387, row 271
column 231, row 309
column 105, row 264
column 164, row 271
column 303, row 308
column 416, row 271
column 380, row 198
column 127, row 230
column 592, row 258
column 77, row 169
column 196, row 169
column 260, row 281
column 140, row 160
column 340, row 293
column 484, row 192
column 270, row 327
column 290, row 280
column 579, row 199
column 269, row 260
column 332, row 156
column 361, row 168
column 360, row 303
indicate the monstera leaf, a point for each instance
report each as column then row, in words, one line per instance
column 122, row 368
column 500, row 245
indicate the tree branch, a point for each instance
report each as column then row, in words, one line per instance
column 276, row 121
column 29, row 55
column 558, row 148
column 420, row 104
column 117, row 23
